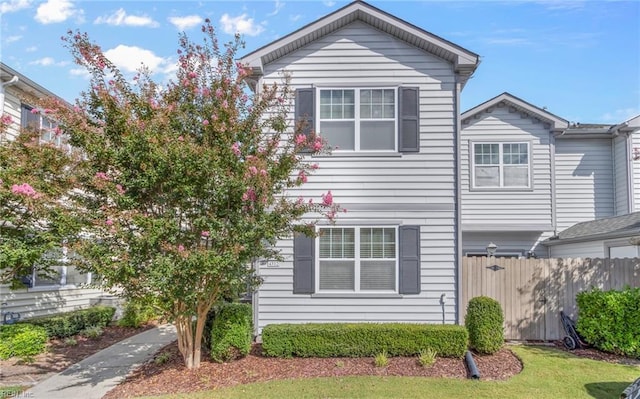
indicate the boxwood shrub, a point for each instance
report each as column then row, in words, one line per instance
column 485, row 323
column 362, row 339
column 137, row 313
column 610, row 320
column 21, row 340
column 231, row 332
column 71, row 323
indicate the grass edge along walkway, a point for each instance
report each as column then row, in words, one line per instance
column 548, row 373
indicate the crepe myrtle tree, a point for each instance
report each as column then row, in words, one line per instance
column 35, row 219
column 185, row 183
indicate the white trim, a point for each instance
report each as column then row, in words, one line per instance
column 357, row 120
column 500, row 165
column 357, row 261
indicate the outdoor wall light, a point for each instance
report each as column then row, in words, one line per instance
column 491, row 249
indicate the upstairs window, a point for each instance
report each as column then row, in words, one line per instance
column 33, row 119
column 502, row 165
column 359, row 119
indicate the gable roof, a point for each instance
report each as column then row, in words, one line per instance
column 464, row 61
column 600, row 229
column 23, row 83
column 516, row 105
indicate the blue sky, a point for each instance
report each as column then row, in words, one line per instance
column 580, row 59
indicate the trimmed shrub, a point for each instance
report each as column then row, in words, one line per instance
column 610, row 320
column 71, row 323
column 485, row 323
column 136, row 314
column 231, row 332
column 21, row 340
column 362, row 339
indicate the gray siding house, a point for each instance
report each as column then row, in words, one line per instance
column 527, row 175
column 69, row 289
column 386, row 94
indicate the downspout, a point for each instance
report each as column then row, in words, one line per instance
column 552, row 154
column 13, row 80
column 458, row 202
column 630, row 176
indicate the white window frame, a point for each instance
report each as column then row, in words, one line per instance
column 356, row 119
column 500, row 165
column 47, row 134
column 356, row 259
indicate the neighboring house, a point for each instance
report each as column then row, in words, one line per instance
column 528, row 174
column 386, row 93
column 612, row 237
column 68, row 291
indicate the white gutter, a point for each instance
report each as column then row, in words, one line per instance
column 13, row 81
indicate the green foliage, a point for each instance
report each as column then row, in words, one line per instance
column 231, row 332
column 92, row 332
column 21, row 340
column 70, row 341
column 362, row 339
column 162, row 358
column 71, row 323
column 610, row 320
column 484, row 321
column 184, row 183
column 427, row 357
column 381, row 359
column 137, row 313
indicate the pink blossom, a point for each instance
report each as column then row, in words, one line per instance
column 300, row 200
column 249, row 195
column 109, row 222
column 57, row 131
column 327, row 199
column 253, row 170
column 7, row 119
column 219, row 93
column 236, row 148
column 102, row 176
column 225, row 104
column 192, row 75
column 48, row 111
column 24, row 189
column 35, row 111
column 180, row 248
column 119, row 189
column 317, row 144
column 263, row 172
column 205, row 122
column 302, row 176
column 204, row 233
column 301, row 138
column 315, row 166
column 180, row 138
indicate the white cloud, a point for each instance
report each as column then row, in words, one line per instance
column 130, row 58
column 554, row 5
column 294, row 18
column 13, row 6
column 120, row 18
column 11, row 39
column 278, row 7
column 240, row 24
column 620, row 115
column 329, row 3
column 31, row 49
column 54, row 11
column 48, row 61
column 186, row 22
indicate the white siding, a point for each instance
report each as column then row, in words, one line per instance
column 409, row 189
column 584, row 180
column 32, row 303
column 507, row 242
column 591, row 249
column 635, row 140
column 13, row 108
column 621, row 159
column 505, row 207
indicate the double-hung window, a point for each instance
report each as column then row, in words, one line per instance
column 503, row 165
column 359, row 119
column 34, row 120
column 357, row 259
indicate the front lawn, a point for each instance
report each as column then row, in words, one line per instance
column 548, row 373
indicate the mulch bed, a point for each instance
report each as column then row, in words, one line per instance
column 171, row 376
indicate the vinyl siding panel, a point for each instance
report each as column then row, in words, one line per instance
column 591, row 249
column 621, row 160
column 33, row 303
column 13, row 107
column 507, row 242
column 395, row 189
column 635, row 140
column 584, row 180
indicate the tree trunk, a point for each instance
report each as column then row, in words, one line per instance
column 190, row 341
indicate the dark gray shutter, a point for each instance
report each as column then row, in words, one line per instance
column 409, row 126
column 305, row 108
column 409, row 238
column 303, row 262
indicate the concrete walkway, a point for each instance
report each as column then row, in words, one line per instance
column 94, row 376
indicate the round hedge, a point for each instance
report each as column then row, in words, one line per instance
column 484, row 321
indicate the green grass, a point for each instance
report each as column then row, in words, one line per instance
column 10, row 391
column 548, row 373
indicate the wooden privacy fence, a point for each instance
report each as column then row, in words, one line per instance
column 532, row 292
